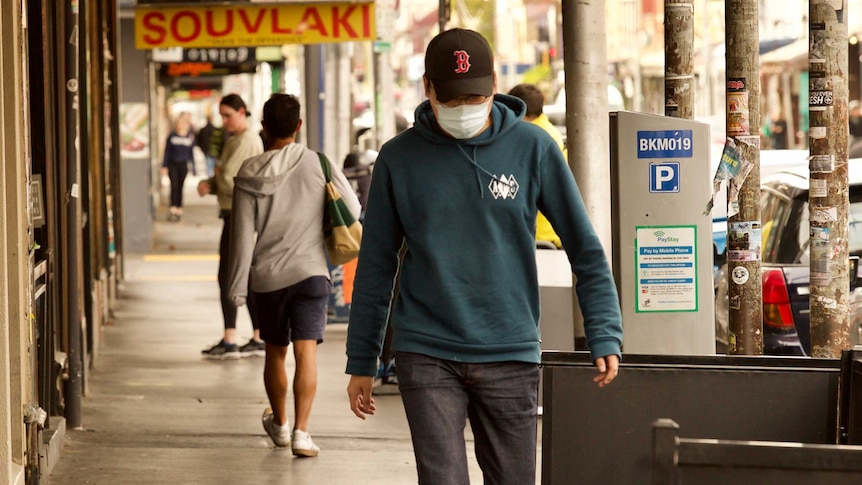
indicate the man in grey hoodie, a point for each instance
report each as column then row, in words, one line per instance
column 277, row 237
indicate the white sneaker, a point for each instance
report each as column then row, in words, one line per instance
column 302, row 444
column 280, row 434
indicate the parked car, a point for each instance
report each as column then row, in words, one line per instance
column 771, row 161
column 785, row 263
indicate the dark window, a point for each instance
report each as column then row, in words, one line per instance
column 777, row 216
column 785, row 227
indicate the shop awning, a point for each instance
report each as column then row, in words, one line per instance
column 793, row 56
column 775, row 53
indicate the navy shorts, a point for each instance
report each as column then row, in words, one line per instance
column 297, row 312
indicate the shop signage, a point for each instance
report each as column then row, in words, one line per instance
column 253, row 25
column 233, row 55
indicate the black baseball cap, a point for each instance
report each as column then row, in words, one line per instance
column 459, row 62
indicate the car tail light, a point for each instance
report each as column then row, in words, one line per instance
column 776, row 302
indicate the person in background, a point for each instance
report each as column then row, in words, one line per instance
column 277, row 235
column 210, row 141
column 179, row 154
column 855, row 120
column 776, row 130
column 358, row 168
column 460, row 189
column 243, row 144
column 535, row 101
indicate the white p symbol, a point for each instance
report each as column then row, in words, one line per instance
column 663, row 173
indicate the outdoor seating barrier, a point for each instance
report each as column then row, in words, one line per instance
column 680, row 461
column 850, row 418
column 603, row 435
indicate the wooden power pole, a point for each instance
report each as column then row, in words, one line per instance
column 679, row 58
column 827, row 197
column 745, row 332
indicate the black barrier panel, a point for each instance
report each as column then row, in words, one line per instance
column 852, row 403
column 592, row 435
column 681, row 461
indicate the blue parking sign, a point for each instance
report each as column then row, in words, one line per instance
column 664, row 177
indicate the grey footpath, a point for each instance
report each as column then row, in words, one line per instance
column 155, row 412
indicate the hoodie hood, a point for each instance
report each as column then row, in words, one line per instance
column 262, row 175
column 506, row 111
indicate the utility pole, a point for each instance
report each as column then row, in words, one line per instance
column 72, row 255
column 585, row 60
column 384, row 102
column 707, row 93
column 444, row 13
column 679, row 58
column 632, row 22
column 315, row 95
column 745, row 332
column 827, row 197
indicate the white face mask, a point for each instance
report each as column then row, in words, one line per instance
column 463, row 121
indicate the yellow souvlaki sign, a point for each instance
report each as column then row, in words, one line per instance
column 253, row 25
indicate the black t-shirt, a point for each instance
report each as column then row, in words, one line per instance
column 779, row 135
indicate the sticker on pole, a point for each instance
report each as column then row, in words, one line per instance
column 739, row 275
column 733, row 170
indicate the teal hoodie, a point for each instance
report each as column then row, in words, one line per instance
column 467, row 209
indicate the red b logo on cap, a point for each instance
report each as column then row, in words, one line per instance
column 462, row 62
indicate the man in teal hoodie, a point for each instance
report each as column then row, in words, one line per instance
column 462, row 189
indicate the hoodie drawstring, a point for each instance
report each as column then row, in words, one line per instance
column 478, row 168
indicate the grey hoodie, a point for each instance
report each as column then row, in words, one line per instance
column 277, row 221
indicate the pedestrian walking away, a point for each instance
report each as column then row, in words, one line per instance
column 242, row 145
column 277, row 242
column 461, row 189
column 179, row 154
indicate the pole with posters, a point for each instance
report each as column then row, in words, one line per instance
column 745, row 327
column 679, row 59
column 828, row 187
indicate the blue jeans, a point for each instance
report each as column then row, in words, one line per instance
column 211, row 163
column 499, row 398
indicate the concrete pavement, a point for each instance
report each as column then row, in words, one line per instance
column 155, row 412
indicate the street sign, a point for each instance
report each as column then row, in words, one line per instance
column 379, row 46
column 664, row 177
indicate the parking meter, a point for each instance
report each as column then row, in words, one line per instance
column 662, row 242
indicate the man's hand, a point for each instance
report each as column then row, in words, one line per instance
column 608, row 367
column 204, row 188
column 164, row 170
column 359, row 393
